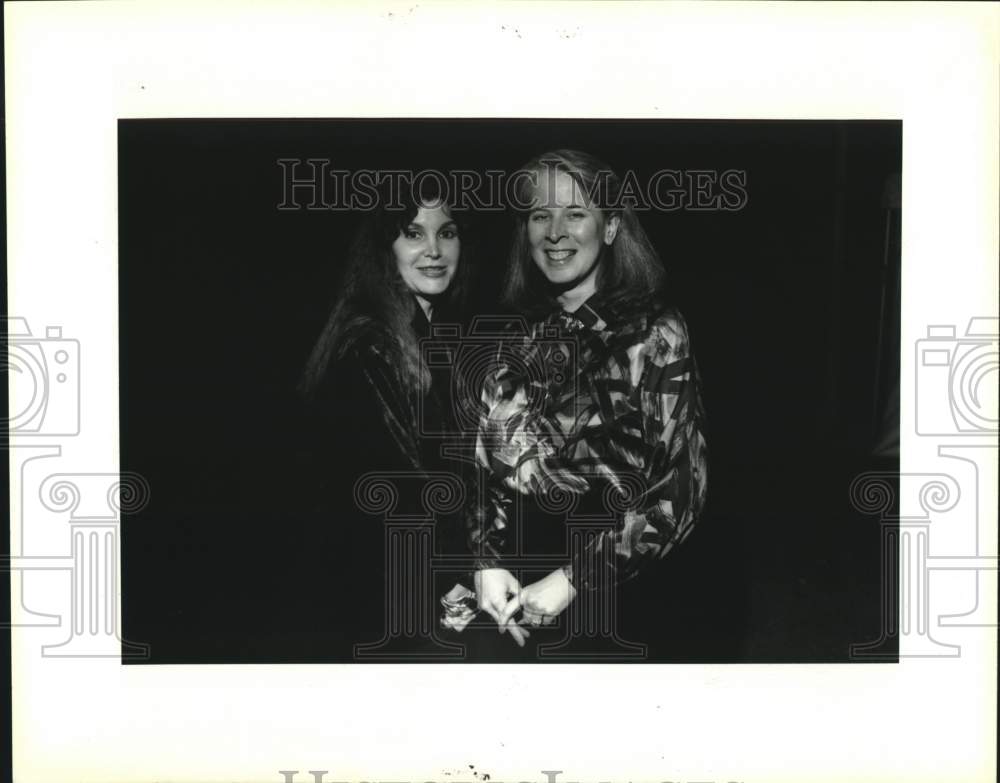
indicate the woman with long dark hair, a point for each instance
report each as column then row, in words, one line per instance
column 403, row 270
column 599, row 414
column 372, row 392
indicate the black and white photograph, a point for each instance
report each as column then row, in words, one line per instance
column 508, row 390
column 478, row 392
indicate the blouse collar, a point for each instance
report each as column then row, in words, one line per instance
column 421, row 325
column 586, row 316
column 606, row 318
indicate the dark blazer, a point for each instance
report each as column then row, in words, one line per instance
column 365, row 419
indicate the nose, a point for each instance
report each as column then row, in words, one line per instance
column 556, row 229
column 432, row 250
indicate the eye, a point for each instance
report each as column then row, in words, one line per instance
column 412, row 233
column 577, row 214
column 448, row 233
column 538, row 217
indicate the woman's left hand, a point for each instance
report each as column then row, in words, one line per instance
column 542, row 601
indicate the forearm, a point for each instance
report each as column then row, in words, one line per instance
column 486, row 523
column 671, row 501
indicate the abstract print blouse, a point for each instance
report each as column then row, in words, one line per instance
column 600, row 402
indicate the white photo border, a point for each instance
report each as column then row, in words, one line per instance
column 74, row 69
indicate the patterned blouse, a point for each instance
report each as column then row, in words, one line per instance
column 595, row 401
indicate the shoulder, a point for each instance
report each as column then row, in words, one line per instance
column 368, row 342
column 364, row 355
column 667, row 337
column 670, row 323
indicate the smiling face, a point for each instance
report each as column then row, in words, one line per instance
column 567, row 234
column 427, row 252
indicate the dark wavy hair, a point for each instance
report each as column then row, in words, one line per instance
column 374, row 306
column 630, row 271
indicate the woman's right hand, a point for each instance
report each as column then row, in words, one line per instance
column 494, row 589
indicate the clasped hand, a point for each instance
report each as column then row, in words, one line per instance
column 500, row 595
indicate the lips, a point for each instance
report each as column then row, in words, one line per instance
column 559, row 256
column 432, row 271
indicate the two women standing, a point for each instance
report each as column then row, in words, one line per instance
column 616, row 434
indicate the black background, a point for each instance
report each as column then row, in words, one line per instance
column 222, row 296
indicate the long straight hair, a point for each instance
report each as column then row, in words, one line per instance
column 630, row 270
column 374, row 306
